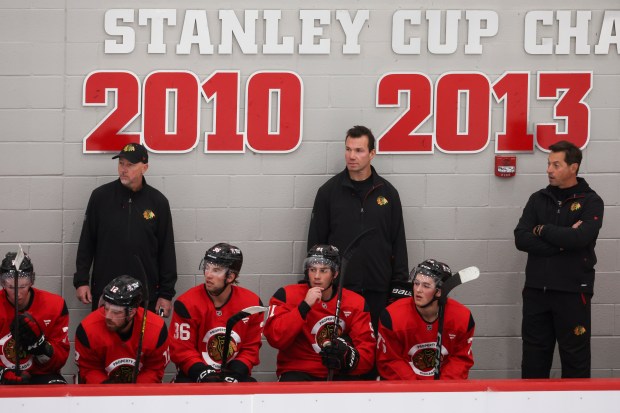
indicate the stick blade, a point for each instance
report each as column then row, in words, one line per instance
column 255, row 309
column 469, row 274
column 461, row 277
column 248, row 311
column 19, row 258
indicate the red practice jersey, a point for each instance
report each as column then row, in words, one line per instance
column 300, row 340
column 102, row 355
column 198, row 329
column 50, row 312
column 406, row 343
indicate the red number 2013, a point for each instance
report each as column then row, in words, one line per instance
column 462, row 111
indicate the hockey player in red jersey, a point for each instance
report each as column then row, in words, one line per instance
column 41, row 328
column 106, row 341
column 301, row 321
column 408, row 331
column 199, row 319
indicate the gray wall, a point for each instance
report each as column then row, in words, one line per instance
column 455, row 209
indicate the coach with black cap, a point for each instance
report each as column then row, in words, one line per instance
column 127, row 218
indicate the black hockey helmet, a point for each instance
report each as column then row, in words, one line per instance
column 322, row 254
column 124, row 291
column 8, row 270
column 437, row 270
column 224, row 255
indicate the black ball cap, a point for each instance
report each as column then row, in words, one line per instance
column 134, row 153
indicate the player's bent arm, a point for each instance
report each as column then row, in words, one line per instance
column 90, row 368
column 155, row 361
column 390, row 362
column 250, row 347
column 461, row 361
column 284, row 321
column 184, row 338
column 364, row 342
column 57, row 335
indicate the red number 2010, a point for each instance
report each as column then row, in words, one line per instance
column 171, row 111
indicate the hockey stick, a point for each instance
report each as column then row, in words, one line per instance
column 19, row 258
column 348, row 253
column 234, row 319
column 136, row 367
column 465, row 275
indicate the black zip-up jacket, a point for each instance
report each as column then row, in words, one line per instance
column 562, row 258
column 339, row 215
column 119, row 224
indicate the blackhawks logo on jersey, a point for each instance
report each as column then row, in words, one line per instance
column 122, row 374
column 8, row 354
column 422, row 358
column 323, row 331
column 214, row 346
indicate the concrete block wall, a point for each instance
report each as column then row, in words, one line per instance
column 454, row 208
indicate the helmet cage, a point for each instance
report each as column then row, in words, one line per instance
column 436, row 270
column 310, row 261
column 8, row 270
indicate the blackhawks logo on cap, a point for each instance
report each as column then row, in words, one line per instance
column 148, row 214
column 382, row 201
column 575, row 206
column 129, row 148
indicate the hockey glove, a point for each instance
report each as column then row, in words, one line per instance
column 339, row 355
column 228, row 376
column 201, row 373
column 31, row 336
column 8, row 376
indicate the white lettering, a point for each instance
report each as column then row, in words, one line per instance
column 272, row 38
column 530, row 40
column 352, row 29
column 195, row 21
column 245, row 36
column 157, row 17
column 610, row 32
column 127, row 34
column 475, row 31
column 450, row 44
column 309, row 31
column 398, row 30
column 579, row 32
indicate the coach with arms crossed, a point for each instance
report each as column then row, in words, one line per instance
column 558, row 230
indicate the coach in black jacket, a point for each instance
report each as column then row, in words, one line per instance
column 352, row 201
column 558, row 230
column 125, row 218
